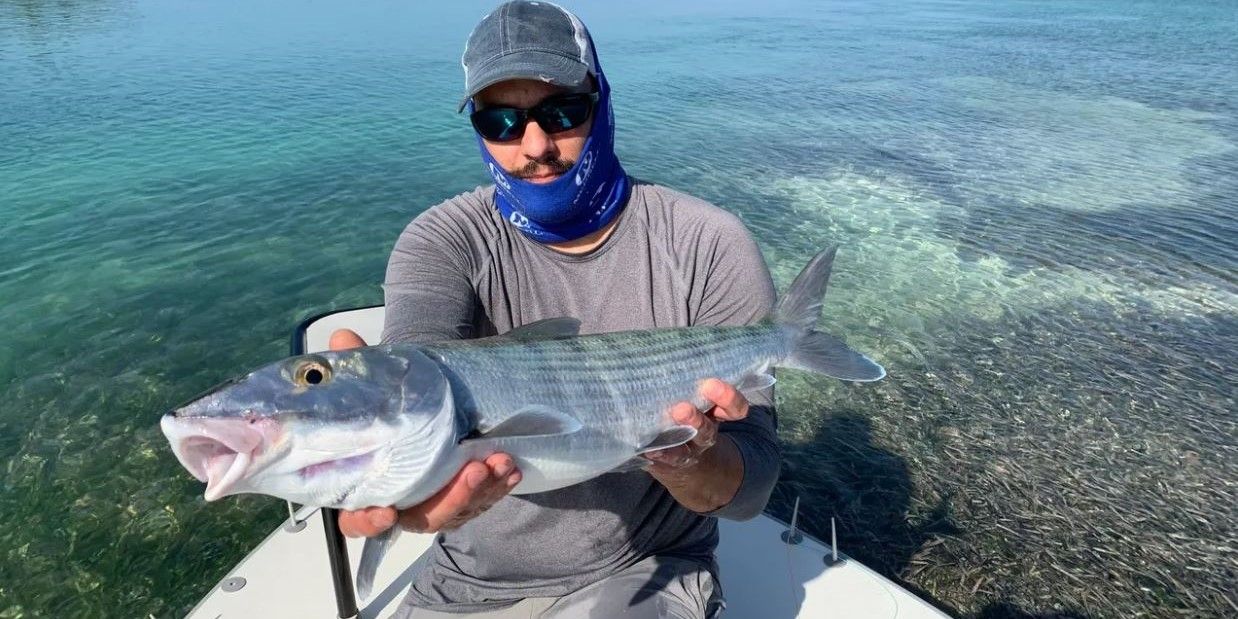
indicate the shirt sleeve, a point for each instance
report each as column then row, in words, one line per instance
column 428, row 288
column 739, row 291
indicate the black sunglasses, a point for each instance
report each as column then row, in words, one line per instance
column 554, row 115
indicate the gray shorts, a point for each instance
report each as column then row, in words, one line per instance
column 651, row 589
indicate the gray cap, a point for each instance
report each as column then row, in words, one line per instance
column 527, row 40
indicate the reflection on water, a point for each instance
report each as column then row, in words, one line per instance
column 39, row 24
column 1035, row 206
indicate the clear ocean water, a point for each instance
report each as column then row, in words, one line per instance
column 1037, row 205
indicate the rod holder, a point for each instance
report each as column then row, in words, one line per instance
column 833, row 558
column 293, row 525
column 792, row 535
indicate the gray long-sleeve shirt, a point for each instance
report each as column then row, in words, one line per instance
column 460, row 271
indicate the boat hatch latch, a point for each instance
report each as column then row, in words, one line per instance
column 231, row 585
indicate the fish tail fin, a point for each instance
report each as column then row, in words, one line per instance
column 372, row 554
column 814, row 350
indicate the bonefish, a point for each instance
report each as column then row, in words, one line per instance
column 391, row 424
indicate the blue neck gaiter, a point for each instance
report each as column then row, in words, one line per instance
column 580, row 202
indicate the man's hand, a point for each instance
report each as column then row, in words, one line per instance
column 477, row 486
column 728, row 405
column 705, row 473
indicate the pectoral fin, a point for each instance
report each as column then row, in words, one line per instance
column 672, row 437
column 635, row 464
column 531, row 421
column 755, row 382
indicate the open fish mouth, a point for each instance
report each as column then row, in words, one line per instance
column 216, row 451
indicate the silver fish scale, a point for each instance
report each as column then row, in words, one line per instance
column 621, row 381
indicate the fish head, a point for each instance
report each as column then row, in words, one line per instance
column 320, row 429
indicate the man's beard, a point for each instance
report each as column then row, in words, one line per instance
column 552, row 165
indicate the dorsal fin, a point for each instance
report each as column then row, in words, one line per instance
column 801, row 307
column 549, row 328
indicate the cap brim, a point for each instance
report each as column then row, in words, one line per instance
column 530, row 65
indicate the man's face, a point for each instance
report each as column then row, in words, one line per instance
column 536, row 156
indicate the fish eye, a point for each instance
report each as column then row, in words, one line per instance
column 313, row 371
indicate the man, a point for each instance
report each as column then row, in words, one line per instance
column 565, row 232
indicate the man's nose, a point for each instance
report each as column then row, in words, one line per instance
column 536, row 144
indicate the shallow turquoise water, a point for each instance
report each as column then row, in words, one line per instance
column 1036, row 203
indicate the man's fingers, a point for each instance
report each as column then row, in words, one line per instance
column 432, row 514
column 477, row 486
column 500, row 464
column 487, row 489
column 503, row 468
column 343, row 339
column 367, row 522
column 351, row 524
column 685, row 414
column 503, row 477
column 731, row 405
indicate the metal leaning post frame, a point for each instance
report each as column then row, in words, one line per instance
column 337, row 550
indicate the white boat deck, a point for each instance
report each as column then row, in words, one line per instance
column 289, row 575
